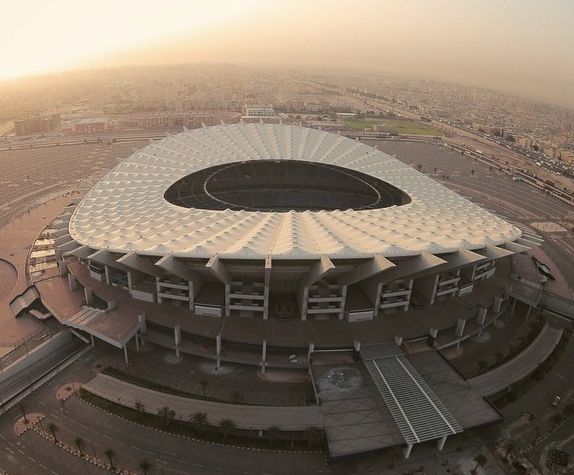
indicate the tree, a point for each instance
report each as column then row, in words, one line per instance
column 80, row 445
column 110, row 454
column 556, row 419
column 472, row 172
column 509, row 446
column 204, row 383
column 166, row 415
column 53, row 428
column 420, row 167
column 480, row 460
column 237, row 397
column 145, row 466
column 227, row 425
column 273, row 432
column 314, row 436
column 198, row 421
column 140, row 408
column 23, row 410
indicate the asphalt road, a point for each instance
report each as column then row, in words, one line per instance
column 31, row 454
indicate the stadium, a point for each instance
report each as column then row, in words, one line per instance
column 282, row 248
column 282, row 222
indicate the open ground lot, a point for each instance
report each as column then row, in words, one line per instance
column 398, row 126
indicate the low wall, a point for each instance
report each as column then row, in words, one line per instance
column 557, row 304
column 57, row 341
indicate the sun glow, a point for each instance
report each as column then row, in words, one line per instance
column 39, row 37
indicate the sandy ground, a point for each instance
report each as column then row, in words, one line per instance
column 16, row 239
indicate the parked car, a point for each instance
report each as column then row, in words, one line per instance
column 556, row 401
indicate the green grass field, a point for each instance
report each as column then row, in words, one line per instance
column 398, row 126
column 360, row 124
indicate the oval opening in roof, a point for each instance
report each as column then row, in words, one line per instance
column 281, row 186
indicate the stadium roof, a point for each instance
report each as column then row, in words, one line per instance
column 128, row 212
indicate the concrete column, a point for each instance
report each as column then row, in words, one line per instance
column 158, row 290
column 89, row 295
column 137, row 342
column 92, row 340
column 190, row 294
column 441, row 442
column 408, row 450
column 344, row 295
column 305, row 303
column 107, row 274
column 177, row 339
column 218, row 350
column 460, row 324
column 497, row 304
column 528, row 312
column 310, row 350
column 62, row 268
column 130, row 280
column 357, row 345
column 264, row 356
column 142, row 322
column 481, row 319
column 227, row 300
column 126, row 355
column 72, row 282
column 513, row 306
column 398, row 340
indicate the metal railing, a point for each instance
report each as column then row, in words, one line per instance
column 23, row 346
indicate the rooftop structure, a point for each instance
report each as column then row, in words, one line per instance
column 128, row 211
column 258, row 110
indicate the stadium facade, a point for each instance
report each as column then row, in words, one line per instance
column 273, row 221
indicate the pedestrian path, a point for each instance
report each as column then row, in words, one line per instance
column 519, row 367
column 245, row 416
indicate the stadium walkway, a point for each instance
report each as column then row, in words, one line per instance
column 245, row 416
column 521, row 366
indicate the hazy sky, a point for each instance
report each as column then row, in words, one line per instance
column 521, row 46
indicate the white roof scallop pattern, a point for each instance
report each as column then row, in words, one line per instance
column 126, row 211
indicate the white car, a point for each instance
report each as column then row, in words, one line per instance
column 556, row 401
